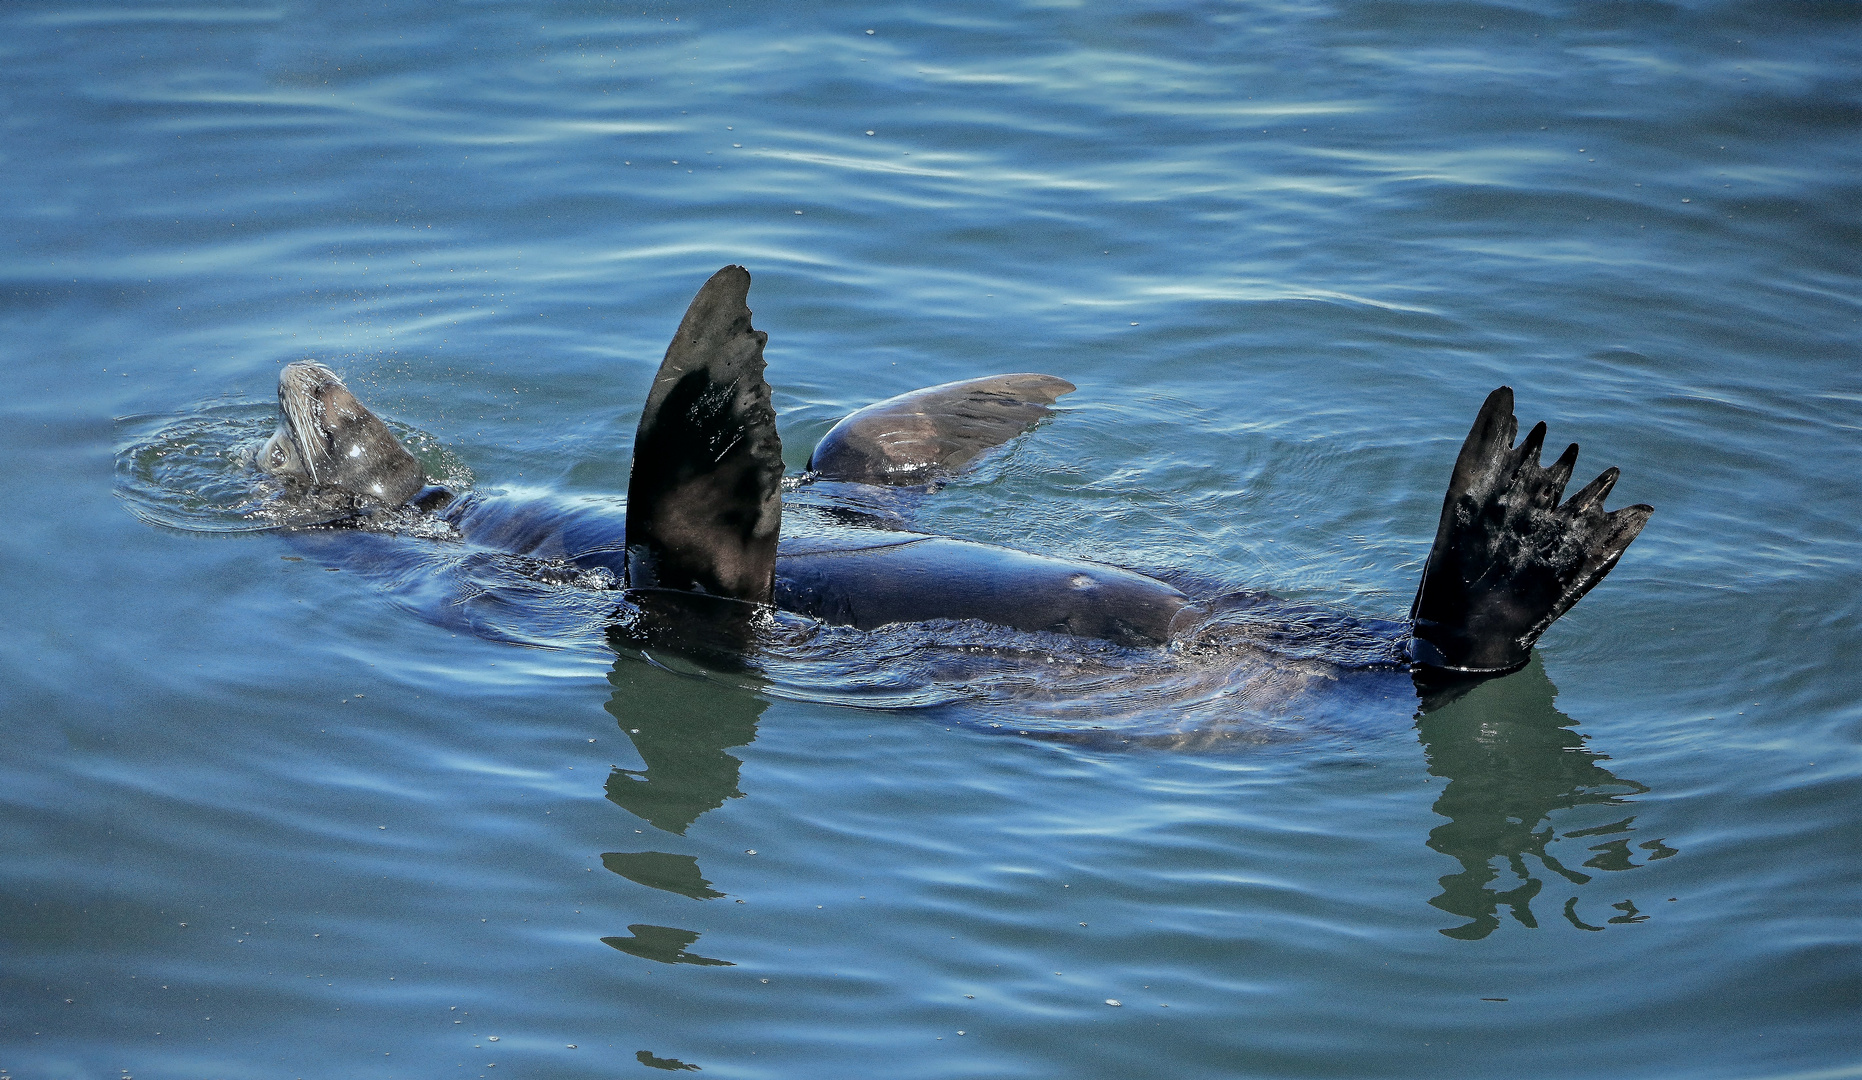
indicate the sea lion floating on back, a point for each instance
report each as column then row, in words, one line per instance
column 704, row 511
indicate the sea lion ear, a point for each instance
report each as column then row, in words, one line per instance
column 704, row 504
column 919, row 437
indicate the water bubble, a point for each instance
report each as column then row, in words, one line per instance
column 1114, row 1002
column 869, row 33
column 869, row 133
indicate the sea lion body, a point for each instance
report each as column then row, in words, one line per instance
column 704, row 511
column 864, row 577
column 867, row 582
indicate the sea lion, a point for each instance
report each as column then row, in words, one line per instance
column 703, row 517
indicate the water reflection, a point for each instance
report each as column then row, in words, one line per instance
column 681, row 726
column 659, row 870
column 645, row 1057
column 665, row 944
column 1511, row 760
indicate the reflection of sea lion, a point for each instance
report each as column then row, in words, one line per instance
column 663, row 943
column 705, row 504
column 1513, row 764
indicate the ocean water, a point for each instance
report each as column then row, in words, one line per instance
column 266, row 814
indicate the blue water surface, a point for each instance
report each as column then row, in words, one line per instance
column 265, row 815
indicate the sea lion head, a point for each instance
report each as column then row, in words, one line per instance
column 330, row 440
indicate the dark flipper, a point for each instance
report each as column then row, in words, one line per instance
column 1508, row 559
column 918, row 437
column 704, row 504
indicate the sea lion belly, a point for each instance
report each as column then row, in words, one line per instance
column 870, row 581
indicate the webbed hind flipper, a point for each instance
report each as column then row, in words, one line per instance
column 1508, row 558
column 918, row 437
column 704, row 503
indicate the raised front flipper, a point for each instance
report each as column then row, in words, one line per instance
column 704, row 503
column 918, row 437
column 1508, row 559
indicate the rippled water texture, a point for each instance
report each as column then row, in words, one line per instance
column 269, row 808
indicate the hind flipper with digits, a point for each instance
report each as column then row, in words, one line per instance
column 1508, row 557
